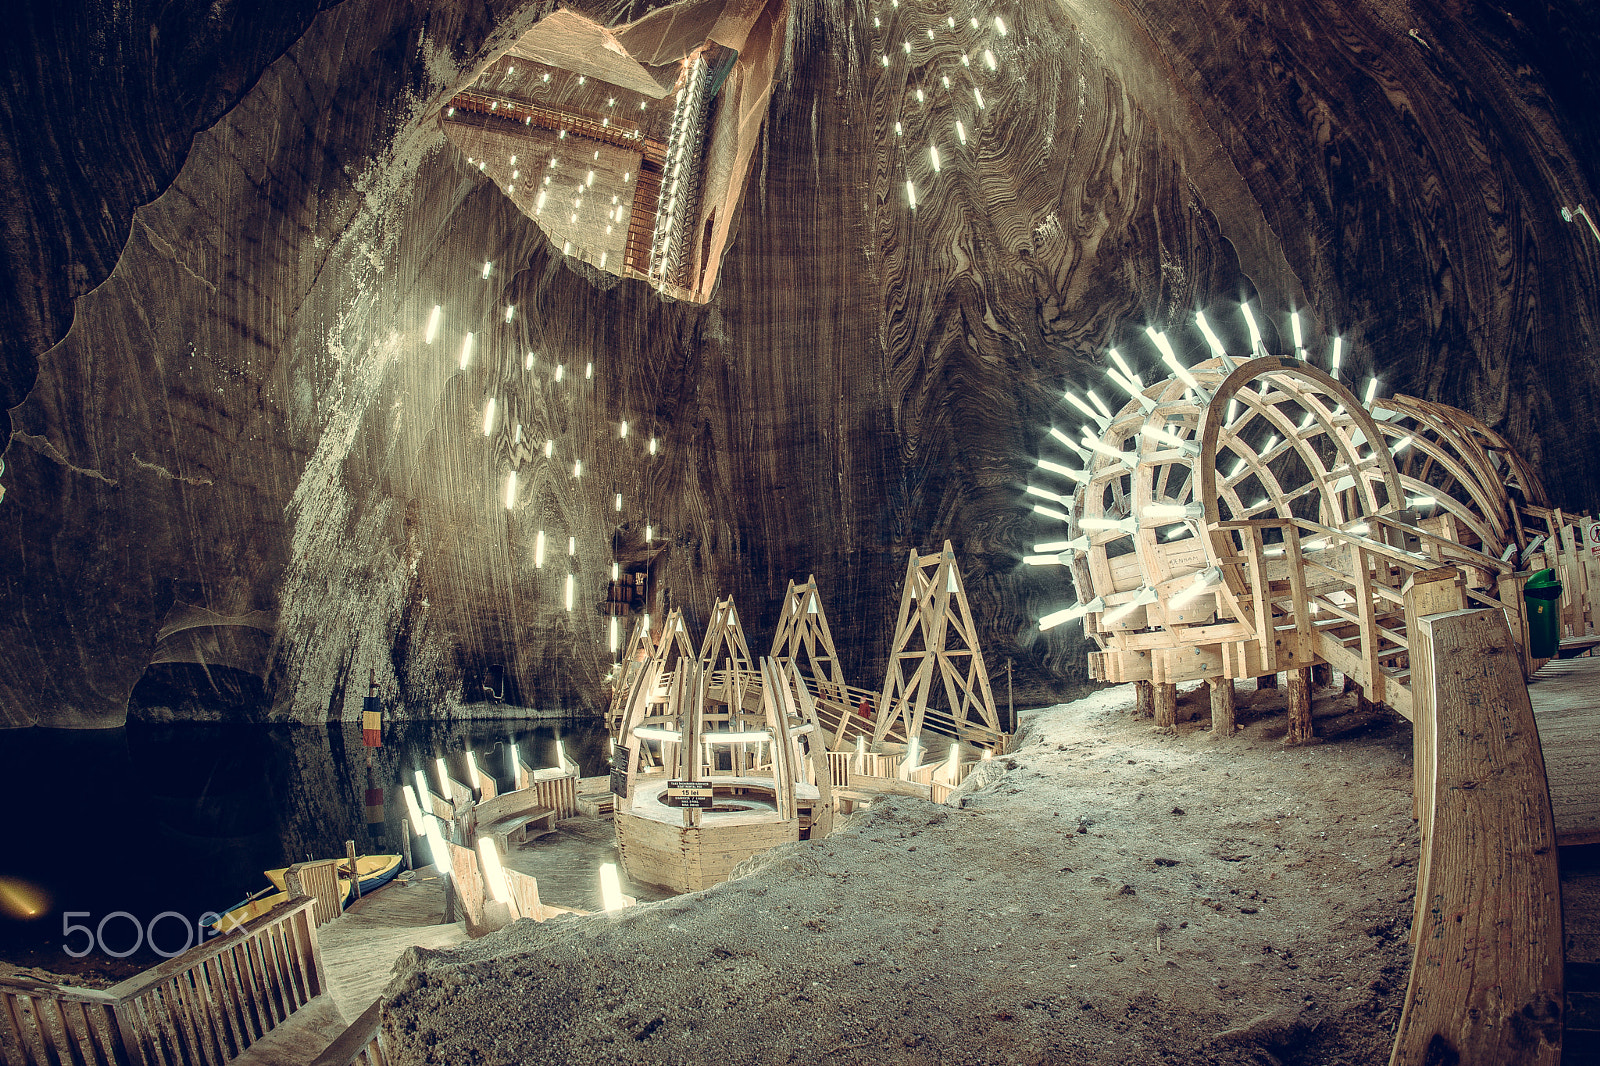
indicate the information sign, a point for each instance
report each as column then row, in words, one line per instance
column 689, row 794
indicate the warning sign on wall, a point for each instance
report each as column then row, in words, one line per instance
column 1591, row 536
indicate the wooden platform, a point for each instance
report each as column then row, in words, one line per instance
column 360, row 948
column 1566, row 704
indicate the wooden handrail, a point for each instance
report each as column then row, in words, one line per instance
column 206, row 1005
column 200, row 953
column 1486, row 976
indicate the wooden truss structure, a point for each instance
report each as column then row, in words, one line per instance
column 804, row 639
column 936, row 648
column 1240, row 519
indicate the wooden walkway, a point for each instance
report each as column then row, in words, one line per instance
column 1566, row 704
column 359, row 950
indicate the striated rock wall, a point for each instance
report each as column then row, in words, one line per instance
column 247, row 415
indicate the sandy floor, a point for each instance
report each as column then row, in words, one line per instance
column 1110, row 893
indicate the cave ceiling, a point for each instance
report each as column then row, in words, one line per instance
column 260, row 304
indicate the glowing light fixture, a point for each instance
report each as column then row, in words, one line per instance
column 1079, row 476
column 432, row 331
column 466, row 351
column 538, row 550
column 610, row 888
column 510, row 311
column 1094, row 606
column 1212, row 340
column 1123, row 525
column 511, row 490
column 1338, row 355
column 488, row 417
column 487, row 267
column 569, row 592
column 1159, row 511
column 1145, row 596
column 494, row 875
column 1255, row 330
column 1208, row 578
column 1163, row 436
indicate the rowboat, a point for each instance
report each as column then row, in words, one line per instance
column 373, row 871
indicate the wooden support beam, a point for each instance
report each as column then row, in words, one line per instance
column 1299, row 692
column 1222, row 717
column 1144, row 699
column 1166, row 705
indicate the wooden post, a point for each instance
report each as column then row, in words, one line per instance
column 1011, row 706
column 1166, row 705
column 405, row 842
column 1222, row 720
column 1426, row 593
column 1144, row 700
column 1299, row 706
column 355, row 872
column 1509, row 588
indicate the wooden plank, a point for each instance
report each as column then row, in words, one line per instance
column 1486, row 979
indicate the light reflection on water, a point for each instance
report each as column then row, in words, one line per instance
column 154, row 818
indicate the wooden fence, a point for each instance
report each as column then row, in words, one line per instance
column 205, row 1006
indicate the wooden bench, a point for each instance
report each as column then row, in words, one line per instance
column 515, row 817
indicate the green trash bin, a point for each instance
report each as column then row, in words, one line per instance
column 1542, row 594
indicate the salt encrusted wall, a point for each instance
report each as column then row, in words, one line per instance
column 246, row 416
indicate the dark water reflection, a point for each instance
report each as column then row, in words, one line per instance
column 184, row 818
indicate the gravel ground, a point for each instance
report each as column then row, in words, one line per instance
column 1110, row 893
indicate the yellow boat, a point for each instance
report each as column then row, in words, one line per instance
column 250, row 909
column 372, row 871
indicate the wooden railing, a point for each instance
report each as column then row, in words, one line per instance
column 205, row 1006
column 1486, row 976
